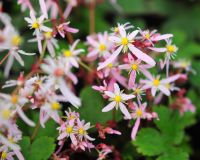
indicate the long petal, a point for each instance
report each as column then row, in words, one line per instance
column 135, row 129
column 43, row 8
column 124, row 110
column 109, row 107
column 164, row 90
column 158, row 49
column 133, row 34
column 110, row 59
column 122, row 31
column 139, row 54
column 171, row 79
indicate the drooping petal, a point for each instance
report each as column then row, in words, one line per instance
column 164, row 90
column 110, row 59
column 139, row 54
column 135, row 129
column 124, row 110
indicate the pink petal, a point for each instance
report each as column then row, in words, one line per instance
column 116, row 88
column 161, row 37
column 158, row 49
column 171, row 79
column 109, row 107
column 132, row 77
column 133, row 34
column 43, row 8
column 124, row 110
column 139, row 54
column 164, row 90
column 110, row 59
column 135, row 129
column 122, row 31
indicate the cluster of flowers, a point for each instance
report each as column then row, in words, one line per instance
column 121, row 56
column 135, row 52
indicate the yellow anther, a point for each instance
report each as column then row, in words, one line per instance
column 102, row 47
column 118, row 98
column 110, row 65
column 168, row 86
column 69, row 130
column 147, row 36
column 134, row 67
column 48, row 35
column 14, row 99
column 35, row 25
column 156, row 82
column 67, row 53
column 124, row 41
column 55, row 106
column 81, row 131
column 16, row 40
column 171, row 48
column 139, row 113
column 6, row 114
column 3, row 155
column 137, row 91
column 116, row 29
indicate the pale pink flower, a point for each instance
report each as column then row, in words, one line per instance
column 81, row 130
column 124, row 43
column 71, row 54
column 99, row 47
column 184, row 64
column 64, row 27
column 49, row 109
column 126, row 26
column 57, row 71
column 138, row 91
column 139, row 112
column 38, row 26
column 150, row 37
column 67, row 130
column 104, row 151
column 117, row 98
column 134, row 67
column 170, row 50
column 155, row 83
column 17, row 102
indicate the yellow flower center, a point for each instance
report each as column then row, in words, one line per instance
column 6, row 113
column 118, row 98
column 134, row 67
column 116, row 29
column 14, row 99
column 124, row 41
column 67, row 53
column 16, row 40
column 171, row 48
column 72, row 117
column 110, row 65
column 69, row 130
column 147, row 36
column 167, row 86
column 137, row 91
column 3, row 155
column 48, row 35
column 81, row 131
column 35, row 25
column 55, row 106
column 102, row 47
column 139, row 113
column 11, row 140
column 156, row 82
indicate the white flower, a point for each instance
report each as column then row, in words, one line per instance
column 118, row 99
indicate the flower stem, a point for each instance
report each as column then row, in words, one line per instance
column 4, row 58
column 35, row 131
column 92, row 16
column 85, row 66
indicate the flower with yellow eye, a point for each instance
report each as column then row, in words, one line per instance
column 81, row 130
column 71, row 55
column 100, row 46
column 134, row 67
column 68, row 130
column 124, row 43
column 155, row 83
column 118, row 98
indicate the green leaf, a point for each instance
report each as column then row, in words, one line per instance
column 92, row 104
column 174, row 154
column 195, row 78
column 149, row 142
column 40, row 149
